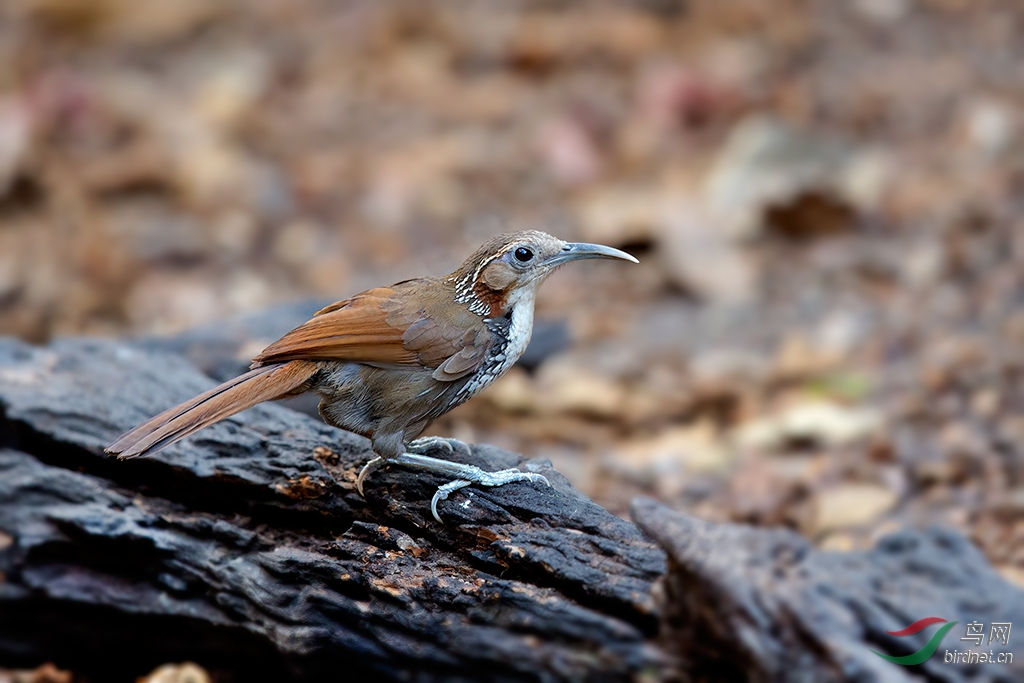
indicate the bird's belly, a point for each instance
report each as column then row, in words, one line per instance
column 364, row 399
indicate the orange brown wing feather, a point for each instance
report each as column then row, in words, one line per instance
column 385, row 327
column 353, row 330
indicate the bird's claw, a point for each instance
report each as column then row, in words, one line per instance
column 442, row 494
column 482, row 478
column 368, row 469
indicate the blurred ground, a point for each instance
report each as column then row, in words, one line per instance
column 48, row 673
column 825, row 330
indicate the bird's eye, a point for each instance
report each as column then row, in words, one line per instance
column 523, row 254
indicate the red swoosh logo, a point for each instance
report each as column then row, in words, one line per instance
column 919, row 625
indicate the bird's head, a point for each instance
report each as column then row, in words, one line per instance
column 510, row 268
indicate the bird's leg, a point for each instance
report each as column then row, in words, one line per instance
column 464, row 475
column 419, row 446
column 425, row 444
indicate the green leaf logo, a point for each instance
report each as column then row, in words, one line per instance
column 929, row 648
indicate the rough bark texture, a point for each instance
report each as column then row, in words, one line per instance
column 754, row 604
column 246, row 548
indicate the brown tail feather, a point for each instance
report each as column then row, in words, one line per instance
column 264, row 383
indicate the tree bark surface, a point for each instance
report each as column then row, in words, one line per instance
column 246, row 547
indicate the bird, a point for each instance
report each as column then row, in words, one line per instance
column 390, row 360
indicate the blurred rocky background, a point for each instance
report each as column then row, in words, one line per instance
column 826, row 328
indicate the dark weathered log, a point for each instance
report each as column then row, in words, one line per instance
column 742, row 603
column 247, row 548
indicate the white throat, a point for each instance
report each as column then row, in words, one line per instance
column 520, row 327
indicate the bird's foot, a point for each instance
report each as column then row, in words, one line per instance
column 465, row 475
column 425, row 444
column 481, row 478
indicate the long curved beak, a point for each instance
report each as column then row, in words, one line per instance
column 575, row 251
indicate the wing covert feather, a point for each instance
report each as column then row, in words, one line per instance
column 352, row 330
column 386, row 327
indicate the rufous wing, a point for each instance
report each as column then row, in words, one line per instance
column 390, row 327
column 353, row 330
